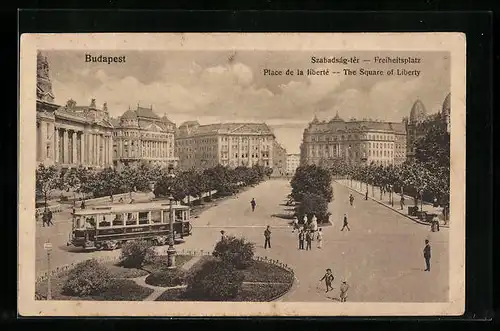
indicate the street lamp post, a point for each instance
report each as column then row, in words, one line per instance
column 171, row 252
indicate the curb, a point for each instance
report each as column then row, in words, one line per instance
column 390, row 207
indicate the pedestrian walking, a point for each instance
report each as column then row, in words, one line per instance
column 301, row 239
column 319, row 237
column 346, row 224
column 435, row 223
column 309, row 236
column 351, row 199
column 45, row 218
column 343, row 291
column 49, row 219
column 253, row 204
column 82, row 205
column 267, row 236
column 295, row 224
column 366, row 196
column 427, row 255
column 328, row 278
column 223, row 235
column 402, row 202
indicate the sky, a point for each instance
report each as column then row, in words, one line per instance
column 224, row 86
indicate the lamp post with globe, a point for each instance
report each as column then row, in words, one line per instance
column 171, row 252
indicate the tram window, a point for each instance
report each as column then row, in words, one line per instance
column 105, row 221
column 90, row 222
column 178, row 216
column 79, row 222
column 156, row 216
column 166, row 217
column 118, row 220
column 131, row 220
column 143, row 218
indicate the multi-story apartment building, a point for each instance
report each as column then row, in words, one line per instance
column 70, row 135
column 354, row 141
column 140, row 135
column 229, row 144
column 292, row 163
column 279, row 160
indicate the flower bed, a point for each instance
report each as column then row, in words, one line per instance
column 118, row 271
column 248, row 293
column 263, row 282
column 261, row 271
column 166, row 278
column 119, row 290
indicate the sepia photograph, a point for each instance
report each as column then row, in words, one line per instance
column 253, row 176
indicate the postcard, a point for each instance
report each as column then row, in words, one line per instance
column 234, row 174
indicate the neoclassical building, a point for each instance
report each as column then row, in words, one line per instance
column 140, row 135
column 229, row 144
column 70, row 135
column 354, row 141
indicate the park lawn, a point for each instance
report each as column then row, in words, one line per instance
column 162, row 260
column 119, row 290
column 248, row 293
column 261, row 271
column 118, row 271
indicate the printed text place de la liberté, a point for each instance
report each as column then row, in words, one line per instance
column 400, row 71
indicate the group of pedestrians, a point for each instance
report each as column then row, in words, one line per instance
column 329, row 278
column 47, row 218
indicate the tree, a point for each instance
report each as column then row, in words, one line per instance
column 312, row 204
column 432, row 148
column 47, row 180
column 311, row 179
column 235, row 251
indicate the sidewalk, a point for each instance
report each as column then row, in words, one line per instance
column 360, row 188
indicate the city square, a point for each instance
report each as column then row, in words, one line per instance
column 183, row 198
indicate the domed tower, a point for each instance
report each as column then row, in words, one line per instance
column 418, row 112
column 417, row 116
column 445, row 110
column 43, row 83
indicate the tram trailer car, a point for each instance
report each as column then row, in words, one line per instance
column 108, row 227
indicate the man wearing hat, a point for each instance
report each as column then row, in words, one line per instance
column 328, row 277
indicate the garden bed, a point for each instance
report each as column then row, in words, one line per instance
column 261, row 271
column 120, row 287
column 119, row 290
column 248, row 293
column 263, row 282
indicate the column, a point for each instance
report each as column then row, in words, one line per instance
column 82, row 148
column 96, row 150
column 65, row 146
column 43, row 141
column 56, row 145
column 92, row 149
column 111, row 151
column 75, row 149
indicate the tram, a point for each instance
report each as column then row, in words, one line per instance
column 108, row 227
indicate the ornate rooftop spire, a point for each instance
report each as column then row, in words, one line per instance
column 43, row 83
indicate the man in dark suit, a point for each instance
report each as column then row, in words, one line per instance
column 427, row 255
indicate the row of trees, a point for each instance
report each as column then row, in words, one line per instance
column 311, row 188
column 426, row 176
column 84, row 182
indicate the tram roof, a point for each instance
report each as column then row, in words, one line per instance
column 129, row 208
